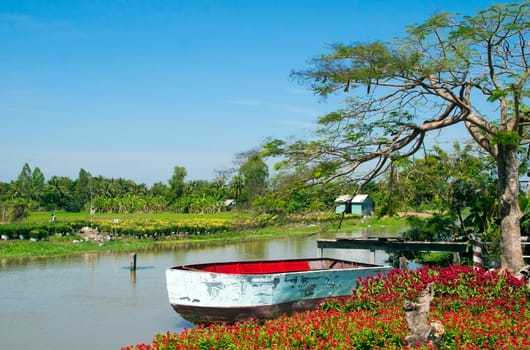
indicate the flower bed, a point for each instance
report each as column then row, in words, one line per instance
column 154, row 227
column 141, row 228
column 479, row 310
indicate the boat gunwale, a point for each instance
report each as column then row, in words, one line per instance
column 201, row 267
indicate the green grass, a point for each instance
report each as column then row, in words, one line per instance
column 56, row 246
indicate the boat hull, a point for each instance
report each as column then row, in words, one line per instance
column 228, row 292
column 208, row 315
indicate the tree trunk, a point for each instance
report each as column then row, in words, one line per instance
column 509, row 211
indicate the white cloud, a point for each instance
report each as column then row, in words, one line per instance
column 11, row 22
column 244, row 102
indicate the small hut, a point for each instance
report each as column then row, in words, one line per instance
column 344, row 204
column 360, row 204
column 363, row 205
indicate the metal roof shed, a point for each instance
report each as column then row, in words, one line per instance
column 344, row 206
column 362, row 205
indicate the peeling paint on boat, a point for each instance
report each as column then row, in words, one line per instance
column 205, row 297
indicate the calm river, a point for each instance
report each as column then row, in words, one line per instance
column 93, row 301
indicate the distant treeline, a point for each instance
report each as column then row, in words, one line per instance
column 458, row 189
column 247, row 187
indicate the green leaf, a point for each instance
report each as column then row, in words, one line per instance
column 273, row 147
column 496, row 94
column 332, row 117
column 507, row 138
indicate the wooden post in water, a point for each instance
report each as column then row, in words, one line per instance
column 133, row 262
column 132, row 277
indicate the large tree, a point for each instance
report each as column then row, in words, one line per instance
column 177, row 183
column 24, row 185
column 253, row 175
column 448, row 71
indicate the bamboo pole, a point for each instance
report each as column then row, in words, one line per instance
column 133, row 262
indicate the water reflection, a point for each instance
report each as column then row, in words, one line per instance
column 132, row 278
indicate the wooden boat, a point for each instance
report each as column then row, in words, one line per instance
column 235, row 291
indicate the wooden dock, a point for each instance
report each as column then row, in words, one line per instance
column 389, row 244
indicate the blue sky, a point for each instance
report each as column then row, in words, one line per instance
column 133, row 88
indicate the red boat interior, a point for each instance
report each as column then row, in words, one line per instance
column 276, row 266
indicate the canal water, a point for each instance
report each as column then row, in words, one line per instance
column 94, row 301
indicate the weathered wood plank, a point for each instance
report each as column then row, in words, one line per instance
column 388, row 245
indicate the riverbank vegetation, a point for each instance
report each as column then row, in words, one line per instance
column 452, row 197
column 479, row 309
column 73, row 233
column 442, row 197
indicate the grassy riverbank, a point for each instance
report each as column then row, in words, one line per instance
column 136, row 231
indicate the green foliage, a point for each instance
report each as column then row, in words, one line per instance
column 18, row 208
column 111, row 195
column 271, row 204
column 440, row 74
column 252, row 178
column 507, row 138
column 441, row 259
column 435, row 228
column 272, row 147
column 332, row 117
column 129, row 203
column 24, row 183
column 325, row 169
column 176, row 182
column 497, row 94
column 40, row 230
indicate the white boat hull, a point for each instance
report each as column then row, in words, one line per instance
column 206, row 297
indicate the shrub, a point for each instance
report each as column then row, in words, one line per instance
column 39, row 230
